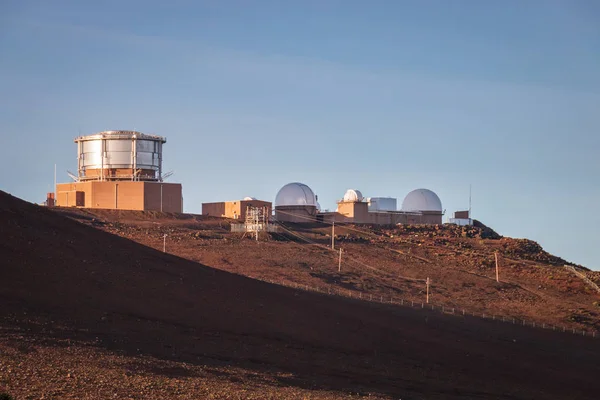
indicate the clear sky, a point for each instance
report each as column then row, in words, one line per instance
column 381, row 96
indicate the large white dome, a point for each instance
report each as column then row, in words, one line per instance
column 295, row 194
column 422, row 200
column 353, row 195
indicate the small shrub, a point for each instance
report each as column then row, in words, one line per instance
column 6, row 396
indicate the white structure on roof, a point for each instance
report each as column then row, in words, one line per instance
column 248, row 198
column 382, row 204
column 353, row 196
column 295, row 194
column 422, row 200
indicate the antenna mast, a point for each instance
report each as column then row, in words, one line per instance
column 470, row 216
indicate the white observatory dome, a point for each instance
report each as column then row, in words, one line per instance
column 248, row 198
column 295, row 194
column 422, row 200
column 353, row 195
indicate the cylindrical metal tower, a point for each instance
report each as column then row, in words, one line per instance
column 119, row 156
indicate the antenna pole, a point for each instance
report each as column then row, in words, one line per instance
column 54, row 188
column 470, row 201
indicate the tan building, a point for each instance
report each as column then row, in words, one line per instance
column 120, row 170
column 121, row 195
column 234, row 209
column 358, row 212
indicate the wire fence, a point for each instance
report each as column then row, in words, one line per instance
column 400, row 302
column 364, row 296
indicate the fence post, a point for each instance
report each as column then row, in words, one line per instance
column 422, row 305
column 463, row 311
column 401, row 302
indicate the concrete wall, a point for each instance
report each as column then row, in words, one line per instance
column 160, row 196
column 358, row 213
column 122, row 195
column 214, row 209
column 296, row 213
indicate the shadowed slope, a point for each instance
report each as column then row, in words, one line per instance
column 88, row 283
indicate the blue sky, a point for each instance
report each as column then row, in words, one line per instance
column 381, row 96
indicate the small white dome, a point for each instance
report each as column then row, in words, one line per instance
column 295, row 194
column 422, row 200
column 353, row 195
column 249, row 198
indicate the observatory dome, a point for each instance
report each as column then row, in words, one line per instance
column 353, row 195
column 295, row 194
column 422, row 200
column 248, row 198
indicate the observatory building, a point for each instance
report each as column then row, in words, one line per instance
column 424, row 204
column 235, row 209
column 296, row 202
column 421, row 206
column 120, row 170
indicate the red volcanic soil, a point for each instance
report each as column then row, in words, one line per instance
column 388, row 262
column 88, row 314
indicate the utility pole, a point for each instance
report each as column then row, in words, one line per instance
column 333, row 236
column 427, row 299
column 496, row 257
column 165, row 243
column 340, row 261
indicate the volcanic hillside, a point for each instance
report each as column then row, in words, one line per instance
column 86, row 314
column 378, row 262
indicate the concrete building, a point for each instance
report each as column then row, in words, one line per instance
column 234, row 209
column 120, row 170
column 462, row 218
column 420, row 206
column 426, row 204
column 296, row 202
